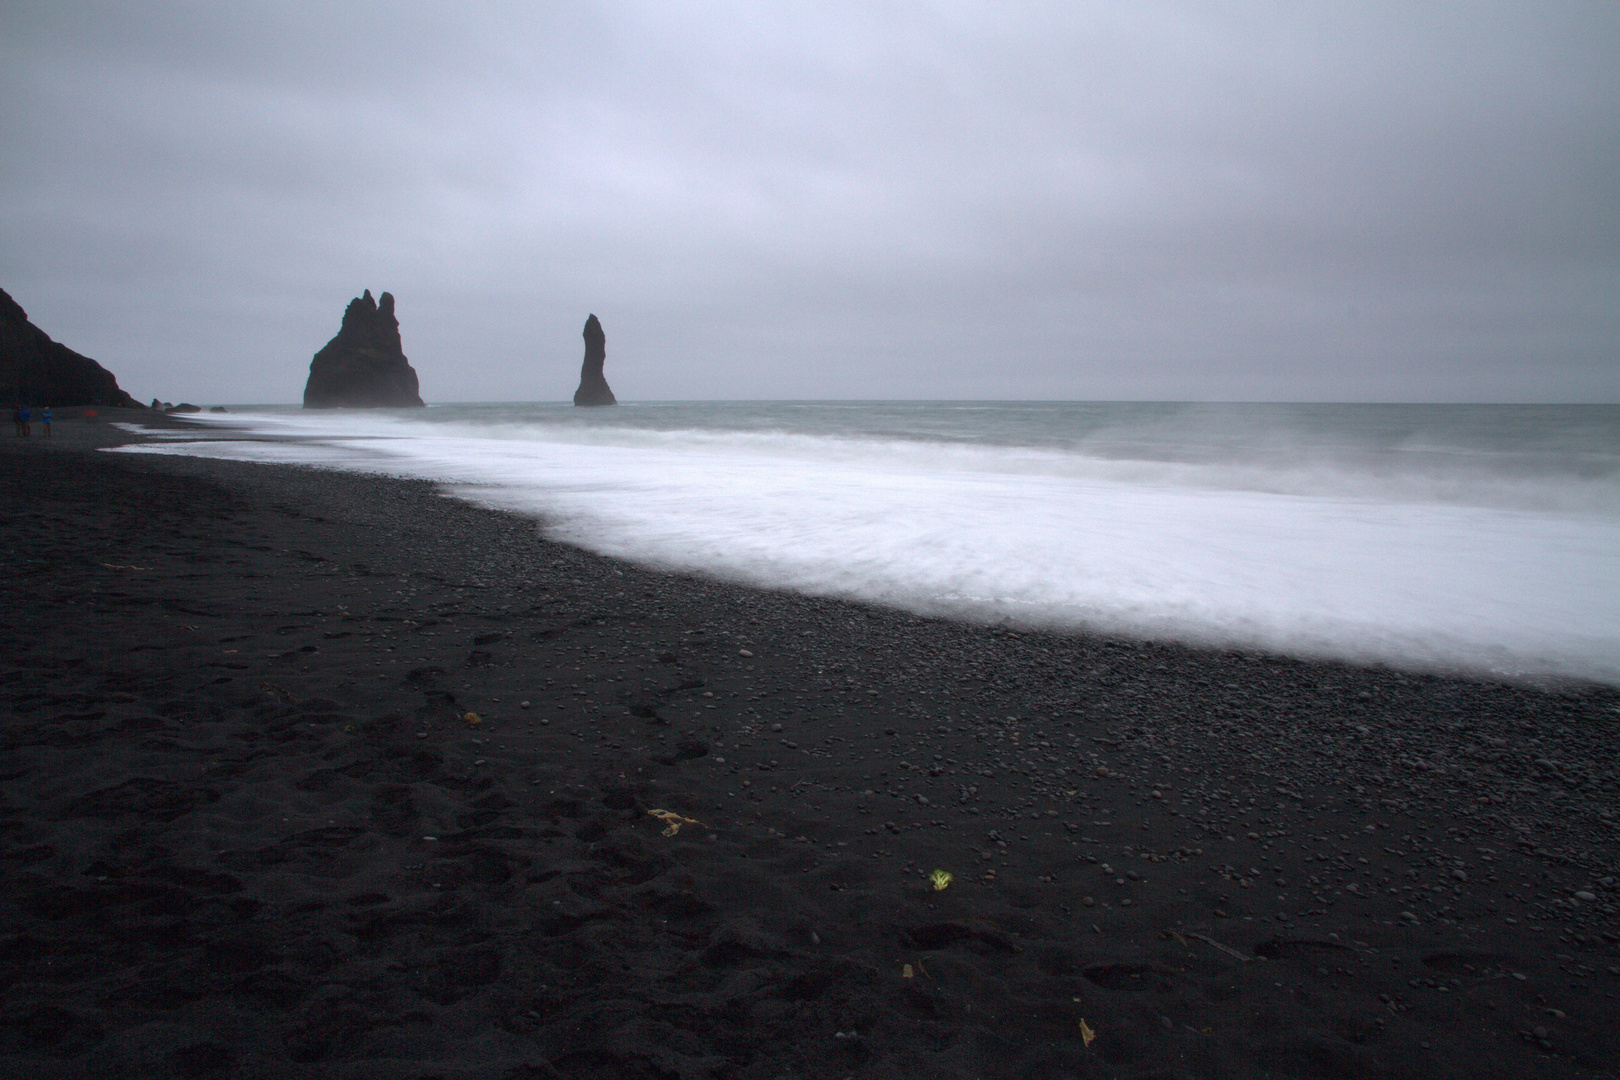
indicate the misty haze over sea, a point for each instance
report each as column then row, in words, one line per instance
column 1481, row 538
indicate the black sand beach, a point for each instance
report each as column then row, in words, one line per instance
column 318, row 775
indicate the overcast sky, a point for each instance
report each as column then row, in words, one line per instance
column 1204, row 201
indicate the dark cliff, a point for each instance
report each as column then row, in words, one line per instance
column 34, row 370
column 593, row 388
column 365, row 365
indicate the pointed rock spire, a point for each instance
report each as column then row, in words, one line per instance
column 593, row 387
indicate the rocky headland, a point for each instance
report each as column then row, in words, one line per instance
column 35, row 370
column 593, row 387
column 364, row 366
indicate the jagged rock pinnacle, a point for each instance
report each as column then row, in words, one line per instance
column 364, row 366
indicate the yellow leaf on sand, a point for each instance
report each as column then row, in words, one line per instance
column 906, row 972
column 1086, row 1034
column 672, row 821
column 473, row 719
column 941, row 879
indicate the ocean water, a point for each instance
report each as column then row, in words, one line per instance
column 1483, row 539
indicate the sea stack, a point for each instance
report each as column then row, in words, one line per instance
column 34, row 370
column 593, row 388
column 364, row 367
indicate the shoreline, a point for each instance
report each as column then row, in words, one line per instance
column 1382, row 635
column 239, row 704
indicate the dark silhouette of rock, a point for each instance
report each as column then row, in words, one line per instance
column 35, row 370
column 184, row 407
column 593, row 388
column 364, row 366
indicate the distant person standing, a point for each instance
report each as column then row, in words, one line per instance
column 16, row 420
column 23, row 419
column 45, row 422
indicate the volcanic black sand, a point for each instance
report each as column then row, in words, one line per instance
column 315, row 775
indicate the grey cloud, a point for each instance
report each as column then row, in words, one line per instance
column 1078, row 200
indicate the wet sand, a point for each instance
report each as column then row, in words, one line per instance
column 317, row 775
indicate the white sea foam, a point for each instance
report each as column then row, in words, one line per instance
column 1437, row 557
